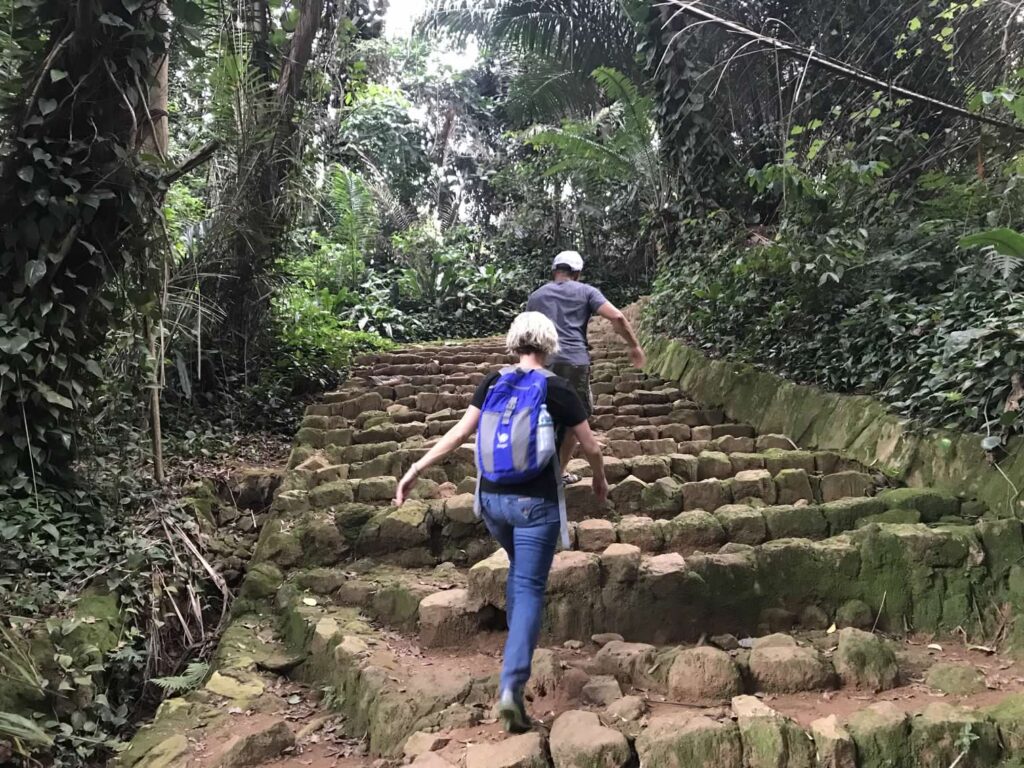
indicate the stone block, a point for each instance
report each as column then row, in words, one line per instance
column 742, row 524
column 708, row 495
column 792, row 485
column 713, row 465
column 754, row 484
column 595, row 535
column 797, row 522
column 841, row 485
column 704, row 676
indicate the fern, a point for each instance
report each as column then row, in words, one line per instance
column 193, row 676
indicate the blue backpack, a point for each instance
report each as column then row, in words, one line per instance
column 516, row 437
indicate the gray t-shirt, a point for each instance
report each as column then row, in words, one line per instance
column 570, row 305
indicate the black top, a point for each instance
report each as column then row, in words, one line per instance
column 566, row 411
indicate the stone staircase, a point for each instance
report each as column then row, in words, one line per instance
column 730, row 604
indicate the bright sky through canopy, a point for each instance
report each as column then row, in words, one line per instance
column 398, row 23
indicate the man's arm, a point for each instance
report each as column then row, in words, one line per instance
column 621, row 326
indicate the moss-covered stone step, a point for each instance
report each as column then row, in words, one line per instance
column 383, row 693
column 908, row 575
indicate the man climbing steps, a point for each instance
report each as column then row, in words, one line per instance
column 570, row 304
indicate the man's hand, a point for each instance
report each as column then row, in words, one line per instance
column 637, row 356
column 601, row 487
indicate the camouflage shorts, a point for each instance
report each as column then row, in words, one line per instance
column 578, row 377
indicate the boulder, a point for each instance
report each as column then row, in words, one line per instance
column 713, row 465
column 448, row 618
column 841, row 485
column 627, row 662
column 863, row 660
column 662, row 498
column 754, row 484
column 789, row 669
column 683, row 466
column 708, row 495
column 937, row 737
column 486, row 580
column 649, row 468
column 792, row 485
column 742, row 524
column 625, row 496
column 459, row 509
column 694, row 531
column 641, row 532
column 595, row 535
column 578, row 740
column 704, row 675
column 833, row 744
column 795, row 522
column 686, row 740
column 257, row 746
column 769, row 739
column 524, row 751
column 855, row 613
column 620, row 563
column 955, row 679
column 880, row 733
column 932, row 504
column 601, row 690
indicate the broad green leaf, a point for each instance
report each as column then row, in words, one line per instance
column 56, row 75
column 46, row 106
column 35, row 271
column 1006, row 241
column 26, row 173
column 13, row 344
column 915, row 24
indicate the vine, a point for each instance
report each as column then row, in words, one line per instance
column 75, row 211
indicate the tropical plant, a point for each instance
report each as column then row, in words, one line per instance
column 550, row 46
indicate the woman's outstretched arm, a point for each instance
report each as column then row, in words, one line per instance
column 452, row 439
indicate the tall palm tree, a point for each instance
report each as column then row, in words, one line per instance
column 550, row 47
column 617, row 148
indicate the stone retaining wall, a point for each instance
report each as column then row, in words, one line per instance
column 858, row 426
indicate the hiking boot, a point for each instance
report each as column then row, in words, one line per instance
column 569, row 478
column 512, row 712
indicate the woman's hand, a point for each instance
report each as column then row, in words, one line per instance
column 405, row 484
column 601, row 487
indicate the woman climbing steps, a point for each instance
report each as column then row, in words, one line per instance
column 519, row 489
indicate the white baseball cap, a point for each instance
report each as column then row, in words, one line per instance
column 571, row 259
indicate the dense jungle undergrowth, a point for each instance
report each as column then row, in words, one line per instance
column 206, row 211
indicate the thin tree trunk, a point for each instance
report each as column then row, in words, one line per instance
column 156, row 139
column 154, row 406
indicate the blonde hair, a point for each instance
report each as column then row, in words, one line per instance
column 532, row 333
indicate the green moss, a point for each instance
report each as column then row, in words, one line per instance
column 937, row 733
column 956, row 679
column 881, row 733
column 98, row 626
column 898, row 516
column 844, row 514
column 1008, row 715
column 261, row 581
column 932, row 504
column 769, row 742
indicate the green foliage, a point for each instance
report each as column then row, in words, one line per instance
column 189, row 680
column 897, row 310
column 74, row 213
column 22, row 730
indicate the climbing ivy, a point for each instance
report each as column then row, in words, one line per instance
column 75, row 211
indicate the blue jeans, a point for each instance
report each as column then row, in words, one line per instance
column 527, row 529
